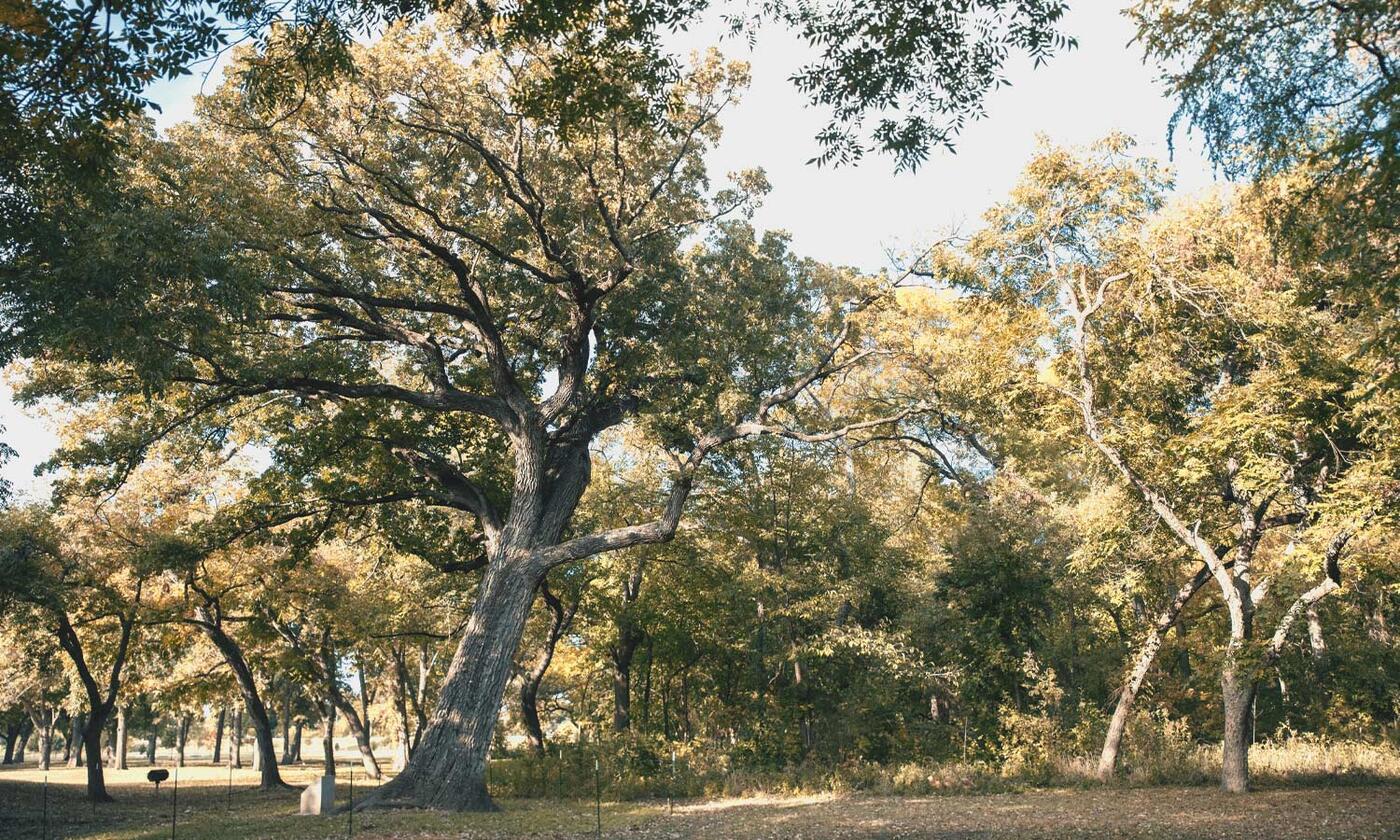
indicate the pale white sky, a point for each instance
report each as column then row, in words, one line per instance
column 852, row 216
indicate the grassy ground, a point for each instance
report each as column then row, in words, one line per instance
column 206, row 811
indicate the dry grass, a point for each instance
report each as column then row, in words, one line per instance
column 1299, row 797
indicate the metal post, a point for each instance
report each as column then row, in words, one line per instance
column 46, row 807
column 228, row 804
column 174, row 800
column 350, row 812
column 671, row 793
column 597, row 797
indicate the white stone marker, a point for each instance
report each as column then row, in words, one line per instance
column 319, row 796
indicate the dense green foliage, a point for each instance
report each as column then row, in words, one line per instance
column 459, row 386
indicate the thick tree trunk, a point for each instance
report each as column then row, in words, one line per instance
column 11, row 739
column 629, row 638
column 248, row 687
column 92, row 745
column 75, row 739
column 26, row 729
column 119, row 743
column 1237, row 688
column 1108, row 757
column 219, row 735
column 448, row 770
column 530, row 715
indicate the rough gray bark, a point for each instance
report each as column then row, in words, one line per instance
column 448, row 770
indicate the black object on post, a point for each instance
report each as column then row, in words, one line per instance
column 157, row 775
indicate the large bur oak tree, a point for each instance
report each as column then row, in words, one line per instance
column 414, row 294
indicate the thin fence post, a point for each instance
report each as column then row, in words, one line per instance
column 174, row 800
column 597, row 797
column 671, row 792
column 228, row 802
column 46, row 807
column 350, row 812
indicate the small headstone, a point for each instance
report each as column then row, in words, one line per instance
column 319, row 796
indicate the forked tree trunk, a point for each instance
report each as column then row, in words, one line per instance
column 26, row 728
column 1108, row 757
column 448, row 770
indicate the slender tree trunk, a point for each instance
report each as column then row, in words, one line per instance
column 68, row 739
column 448, row 770
column 119, row 743
column 11, row 735
column 75, row 739
column 182, row 735
column 269, row 777
column 235, row 739
column 151, row 744
column 361, row 733
column 1108, row 757
column 219, row 735
column 629, row 638
column 560, row 618
column 286, row 721
column 328, row 742
column 296, row 742
column 404, row 749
